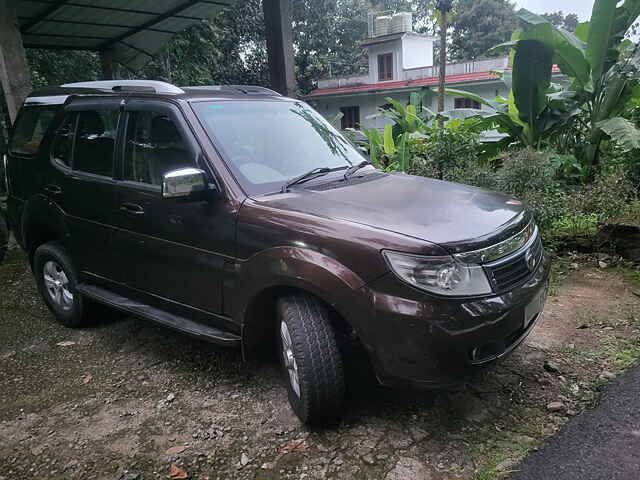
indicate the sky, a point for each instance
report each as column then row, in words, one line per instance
column 580, row 7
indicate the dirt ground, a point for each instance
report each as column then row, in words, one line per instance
column 126, row 399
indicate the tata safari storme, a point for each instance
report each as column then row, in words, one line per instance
column 243, row 217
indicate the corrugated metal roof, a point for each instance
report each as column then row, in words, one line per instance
column 135, row 29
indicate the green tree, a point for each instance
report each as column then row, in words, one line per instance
column 479, row 25
column 54, row 67
column 558, row 19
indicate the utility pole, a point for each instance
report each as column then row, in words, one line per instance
column 443, row 7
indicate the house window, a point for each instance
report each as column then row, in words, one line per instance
column 385, row 67
column 350, row 117
column 461, row 102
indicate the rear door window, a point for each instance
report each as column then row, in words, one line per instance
column 62, row 146
column 95, row 140
column 30, row 128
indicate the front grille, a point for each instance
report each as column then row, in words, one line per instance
column 508, row 273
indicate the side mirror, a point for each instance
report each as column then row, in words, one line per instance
column 183, row 182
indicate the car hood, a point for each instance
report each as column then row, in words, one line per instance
column 457, row 217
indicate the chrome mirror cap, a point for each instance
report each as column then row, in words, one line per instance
column 183, row 182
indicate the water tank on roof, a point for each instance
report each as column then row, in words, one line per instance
column 401, row 22
column 382, row 25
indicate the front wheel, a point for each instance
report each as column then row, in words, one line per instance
column 310, row 358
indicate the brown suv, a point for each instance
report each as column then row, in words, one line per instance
column 244, row 218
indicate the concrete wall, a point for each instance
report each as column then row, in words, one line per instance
column 417, row 52
column 369, row 103
column 395, row 48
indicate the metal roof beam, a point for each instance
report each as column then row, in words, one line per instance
column 113, row 9
column 159, row 18
column 55, row 6
column 95, row 24
column 59, row 47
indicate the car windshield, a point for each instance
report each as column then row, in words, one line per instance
column 268, row 143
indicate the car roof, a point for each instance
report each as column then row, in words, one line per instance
column 149, row 88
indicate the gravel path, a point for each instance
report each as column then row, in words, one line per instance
column 124, row 399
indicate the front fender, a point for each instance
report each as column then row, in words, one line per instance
column 307, row 270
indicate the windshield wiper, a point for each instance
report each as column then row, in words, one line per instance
column 316, row 172
column 353, row 169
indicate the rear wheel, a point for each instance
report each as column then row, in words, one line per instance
column 57, row 280
column 310, row 358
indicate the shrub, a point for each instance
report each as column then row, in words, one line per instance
column 606, row 197
column 530, row 176
column 444, row 153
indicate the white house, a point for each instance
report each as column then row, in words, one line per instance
column 401, row 62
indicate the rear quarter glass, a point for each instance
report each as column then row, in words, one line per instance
column 30, row 129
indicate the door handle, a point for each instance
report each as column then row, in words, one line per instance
column 52, row 189
column 132, row 208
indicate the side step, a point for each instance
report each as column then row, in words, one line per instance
column 158, row 316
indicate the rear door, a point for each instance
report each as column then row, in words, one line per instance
column 168, row 248
column 83, row 153
column 24, row 157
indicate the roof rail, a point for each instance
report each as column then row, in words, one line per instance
column 248, row 89
column 128, row 85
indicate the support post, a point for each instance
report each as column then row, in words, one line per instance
column 110, row 68
column 15, row 75
column 277, row 22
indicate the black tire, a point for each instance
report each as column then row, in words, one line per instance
column 4, row 237
column 69, row 313
column 316, row 355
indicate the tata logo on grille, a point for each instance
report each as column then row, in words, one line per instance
column 530, row 259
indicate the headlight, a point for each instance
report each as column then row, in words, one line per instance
column 441, row 275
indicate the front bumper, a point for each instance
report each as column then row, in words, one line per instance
column 425, row 341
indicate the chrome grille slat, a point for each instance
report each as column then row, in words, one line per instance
column 507, row 273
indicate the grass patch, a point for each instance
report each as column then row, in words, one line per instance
column 627, row 357
column 580, row 225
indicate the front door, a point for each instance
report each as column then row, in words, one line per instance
column 167, row 248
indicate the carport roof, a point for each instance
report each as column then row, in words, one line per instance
column 134, row 29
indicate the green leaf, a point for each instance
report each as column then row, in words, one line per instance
column 570, row 55
column 503, row 47
column 531, row 79
column 616, row 95
column 472, row 96
column 582, row 31
column 530, row 17
column 399, row 107
column 621, row 131
column 389, row 145
column 568, row 50
column 600, row 33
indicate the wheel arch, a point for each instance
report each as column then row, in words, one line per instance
column 287, row 271
column 42, row 222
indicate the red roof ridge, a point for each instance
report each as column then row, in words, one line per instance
column 418, row 82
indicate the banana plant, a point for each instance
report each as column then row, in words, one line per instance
column 590, row 58
column 535, row 107
column 409, row 118
column 386, row 151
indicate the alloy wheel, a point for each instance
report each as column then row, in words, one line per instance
column 289, row 358
column 57, row 285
